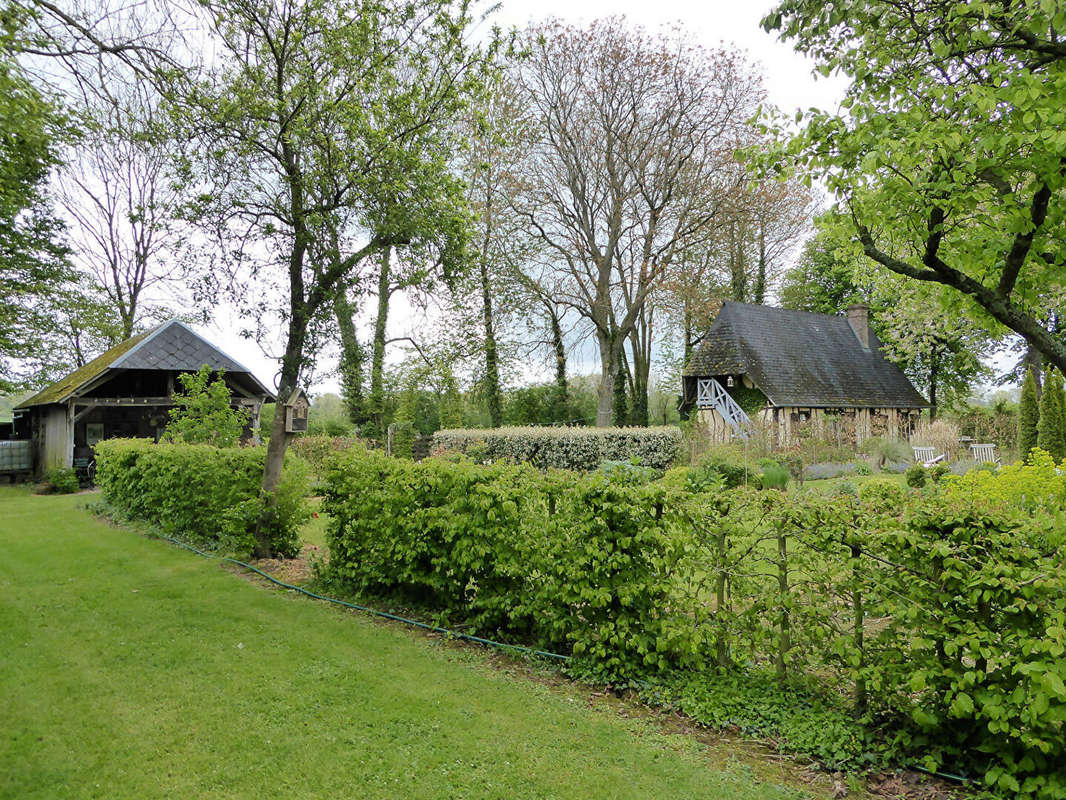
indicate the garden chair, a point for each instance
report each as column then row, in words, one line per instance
column 984, row 453
column 926, row 456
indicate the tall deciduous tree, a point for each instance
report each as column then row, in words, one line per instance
column 34, row 270
column 950, row 151
column 116, row 192
column 321, row 137
column 1028, row 415
column 632, row 163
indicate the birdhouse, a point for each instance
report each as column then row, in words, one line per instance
column 296, row 408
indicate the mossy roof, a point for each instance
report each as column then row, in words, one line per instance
column 172, row 346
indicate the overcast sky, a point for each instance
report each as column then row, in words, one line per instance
column 788, row 80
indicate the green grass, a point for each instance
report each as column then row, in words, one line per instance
column 132, row 668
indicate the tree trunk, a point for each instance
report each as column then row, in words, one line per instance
column 619, row 409
column 279, row 440
column 351, row 366
column 561, row 399
column 377, row 363
column 608, row 375
column 759, row 292
column 934, row 369
column 492, row 366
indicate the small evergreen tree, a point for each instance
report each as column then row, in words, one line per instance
column 1050, row 427
column 203, row 413
column 1028, row 415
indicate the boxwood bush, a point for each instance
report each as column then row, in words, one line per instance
column 209, row 495
column 565, row 448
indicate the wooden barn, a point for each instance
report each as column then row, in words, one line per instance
column 794, row 373
column 127, row 392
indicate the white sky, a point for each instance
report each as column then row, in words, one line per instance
column 789, row 83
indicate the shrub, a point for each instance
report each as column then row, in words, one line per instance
column 915, row 476
column 628, row 472
column 317, row 450
column 938, row 471
column 774, row 476
column 567, row 448
column 862, row 468
column 62, row 480
column 714, row 473
column 884, row 450
column 203, row 413
column 582, row 563
column 206, row 494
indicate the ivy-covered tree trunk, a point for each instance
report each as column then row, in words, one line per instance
column 560, row 392
column 377, row 362
column 619, row 409
column 351, row 362
column 759, row 290
column 492, row 365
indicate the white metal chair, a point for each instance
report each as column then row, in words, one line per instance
column 984, row 453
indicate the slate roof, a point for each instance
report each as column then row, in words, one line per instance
column 170, row 346
column 800, row 359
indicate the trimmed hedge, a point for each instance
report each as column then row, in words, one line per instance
column 940, row 612
column 207, row 494
column 564, row 448
column 576, row 563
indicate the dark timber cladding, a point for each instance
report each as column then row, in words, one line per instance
column 127, row 391
column 800, row 359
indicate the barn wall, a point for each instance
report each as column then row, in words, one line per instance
column 849, row 426
column 56, row 444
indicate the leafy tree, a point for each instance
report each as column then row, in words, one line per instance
column 1051, row 427
column 939, row 345
column 204, row 413
column 34, row 270
column 949, row 153
column 1028, row 415
column 319, row 139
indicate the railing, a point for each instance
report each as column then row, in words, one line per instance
column 711, row 394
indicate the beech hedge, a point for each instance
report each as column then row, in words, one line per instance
column 940, row 616
column 564, row 448
column 208, row 495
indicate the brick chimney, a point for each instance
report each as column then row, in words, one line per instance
column 859, row 319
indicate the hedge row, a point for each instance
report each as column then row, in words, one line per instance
column 943, row 622
column 564, row 448
column 208, row 495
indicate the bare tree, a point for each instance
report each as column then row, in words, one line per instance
column 633, row 162
column 117, row 193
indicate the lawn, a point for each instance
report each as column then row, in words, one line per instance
column 132, row 668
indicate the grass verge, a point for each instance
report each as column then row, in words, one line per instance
column 135, row 669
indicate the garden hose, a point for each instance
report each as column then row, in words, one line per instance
column 444, row 631
column 384, row 614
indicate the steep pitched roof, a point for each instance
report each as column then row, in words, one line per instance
column 170, row 346
column 800, row 359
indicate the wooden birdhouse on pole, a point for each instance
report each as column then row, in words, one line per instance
column 296, row 408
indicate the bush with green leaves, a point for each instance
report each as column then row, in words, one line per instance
column 206, row 494
column 939, row 618
column 582, row 563
column 566, row 448
column 915, row 476
column 203, row 411
column 62, row 480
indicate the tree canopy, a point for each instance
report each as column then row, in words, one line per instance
column 949, row 153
